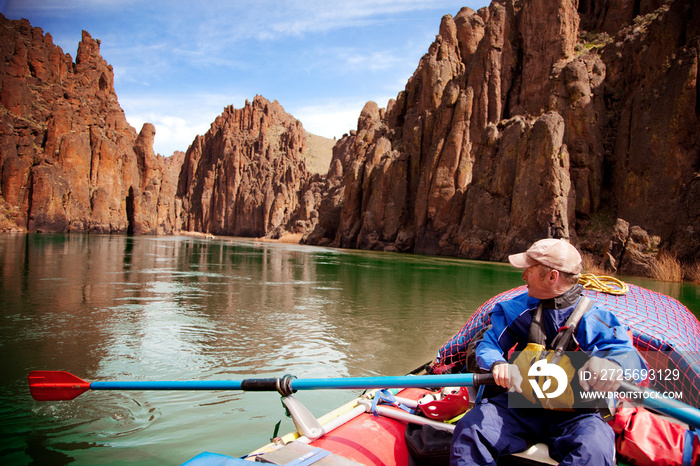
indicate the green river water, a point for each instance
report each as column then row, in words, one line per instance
column 182, row 308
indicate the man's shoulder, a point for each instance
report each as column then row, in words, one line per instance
column 599, row 313
column 518, row 303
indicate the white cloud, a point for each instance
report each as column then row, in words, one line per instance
column 305, row 16
column 332, row 119
column 271, row 19
column 329, row 121
column 178, row 119
column 173, row 133
column 372, row 61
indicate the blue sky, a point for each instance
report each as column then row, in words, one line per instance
column 177, row 64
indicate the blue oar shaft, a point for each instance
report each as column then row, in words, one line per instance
column 409, row 381
column 169, row 385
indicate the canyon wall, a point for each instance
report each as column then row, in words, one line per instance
column 518, row 124
column 246, row 175
column 69, row 161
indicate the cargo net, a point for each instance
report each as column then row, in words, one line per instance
column 664, row 331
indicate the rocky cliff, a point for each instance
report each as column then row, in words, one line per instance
column 530, row 119
column 69, row 161
column 246, row 175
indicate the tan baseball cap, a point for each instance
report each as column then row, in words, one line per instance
column 555, row 253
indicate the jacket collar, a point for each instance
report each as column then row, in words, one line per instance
column 567, row 299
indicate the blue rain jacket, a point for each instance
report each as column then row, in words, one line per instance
column 600, row 333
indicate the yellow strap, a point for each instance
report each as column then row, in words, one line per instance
column 603, row 283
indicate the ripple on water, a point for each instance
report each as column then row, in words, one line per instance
column 102, row 415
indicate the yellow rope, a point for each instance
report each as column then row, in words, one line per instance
column 603, row 283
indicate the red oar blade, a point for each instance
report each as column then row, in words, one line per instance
column 56, row 385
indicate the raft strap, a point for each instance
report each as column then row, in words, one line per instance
column 384, row 396
column 688, row 444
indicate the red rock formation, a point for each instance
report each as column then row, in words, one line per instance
column 652, row 74
column 518, row 125
column 69, row 161
column 245, row 176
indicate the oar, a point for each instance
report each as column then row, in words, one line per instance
column 60, row 385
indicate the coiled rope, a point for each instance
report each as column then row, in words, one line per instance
column 603, row 283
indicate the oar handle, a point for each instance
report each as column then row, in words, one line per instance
column 483, row 379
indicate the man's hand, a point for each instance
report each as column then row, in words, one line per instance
column 508, row 376
column 601, row 374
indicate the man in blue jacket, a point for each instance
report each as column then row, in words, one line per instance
column 504, row 424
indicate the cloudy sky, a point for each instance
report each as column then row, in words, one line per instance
column 177, row 64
